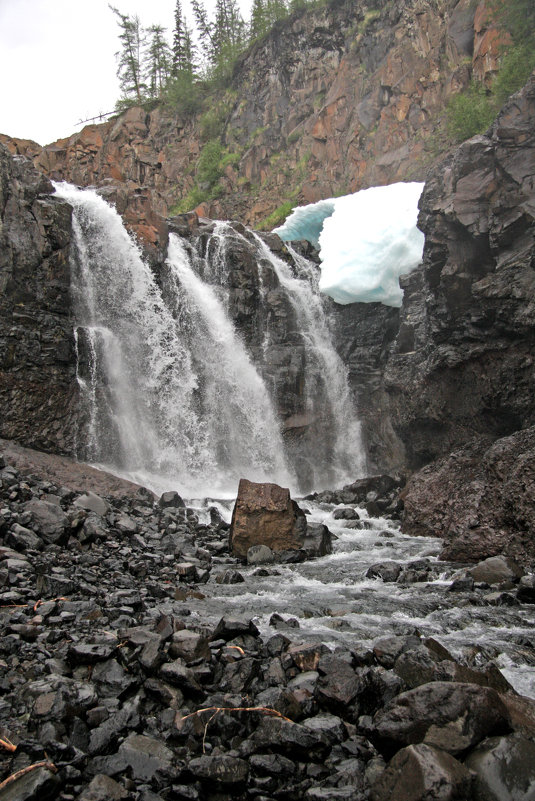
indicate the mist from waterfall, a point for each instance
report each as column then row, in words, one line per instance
column 172, row 397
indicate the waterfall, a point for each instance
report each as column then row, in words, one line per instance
column 172, row 398
column 179, row 384
column 327, row 392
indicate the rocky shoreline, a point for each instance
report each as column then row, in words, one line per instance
column 110, row 689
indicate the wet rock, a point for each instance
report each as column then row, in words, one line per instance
column 229, row 628
column 526, row 589
column 260, row 555
column 40, row 784
column 346, row 513
column 222, row 769
column 230, row 577
column 189, row 646
column 291, row 739
column 264, row 514
column 144, row 757
column 387, row 571
column 422, row 773
column 504, row 768
column 47, row 520
column 496, row 570
column 93, row 503
column 103, row 788
column 449, row 716
column 171, row 500
column 318, row 540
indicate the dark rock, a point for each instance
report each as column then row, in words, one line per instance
column 526, row 590
column 230, row 577
column 48, row 520
column 103, row 788
column 40, row 784
column 387, row 571
column 450, row 716
column 229, row 628
column 421, row 773
column 224, row 770
column 171, row 500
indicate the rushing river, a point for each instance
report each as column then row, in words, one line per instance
column 332, row 601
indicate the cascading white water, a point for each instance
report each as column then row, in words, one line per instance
column 174, row 400
column 334, row 454
column 326, row 377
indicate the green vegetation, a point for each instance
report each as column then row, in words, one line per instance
column 278, row 216
column 184, row 74
column 472, row 111
column 209, row 170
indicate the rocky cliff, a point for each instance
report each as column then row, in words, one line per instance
column 334, row 99
column 37, row 361
column 460, row 376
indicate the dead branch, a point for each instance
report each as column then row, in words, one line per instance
column 6, row 743
column 14, row 776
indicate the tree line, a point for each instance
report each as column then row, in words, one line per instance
column 150, row 67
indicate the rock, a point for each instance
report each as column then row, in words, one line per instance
column 224, row 770
column 229, row 628
column 40, row 784
column 526, row 589
column 48, row 520
column 450, row 716
column 171, row 500
column 264, row 514
column 422, row 773
column 230, row 577
column 387, row 571
column 103, row 788
column 495, row 570
column 93, row 503
column 260, row 555
column 504, row 768
column 144, row 757
column 189, row 646
column 290, row 738
column 317, row 541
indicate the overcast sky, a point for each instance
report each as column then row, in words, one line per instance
column 57, row 61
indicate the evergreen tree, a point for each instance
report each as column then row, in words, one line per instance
column 259, row 24
column 204, row 29
column 129, row 69
column 157, row 60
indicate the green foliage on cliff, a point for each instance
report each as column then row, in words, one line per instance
column 472, row 111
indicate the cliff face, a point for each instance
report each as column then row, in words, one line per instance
column 462, row 363
column 333, row 100
column 461, row 377
column 37, row 361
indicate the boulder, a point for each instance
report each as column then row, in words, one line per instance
column 264, row 514
column 495, row 570
column 452, row 716
column 422, row 773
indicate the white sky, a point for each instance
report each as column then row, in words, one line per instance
column 57, row 61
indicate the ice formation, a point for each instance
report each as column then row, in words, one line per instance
column 366, row 241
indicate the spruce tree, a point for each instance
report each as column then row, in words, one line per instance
column 129, row 70
column 157, row 60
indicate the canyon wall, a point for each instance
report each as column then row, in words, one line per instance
column 333, row 99
column 38, row 389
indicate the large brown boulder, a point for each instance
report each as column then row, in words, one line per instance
column 264, row 514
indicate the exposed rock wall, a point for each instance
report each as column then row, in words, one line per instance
column 461, row 375
column 462, row 362
column 333, row 100
column 37, row 363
